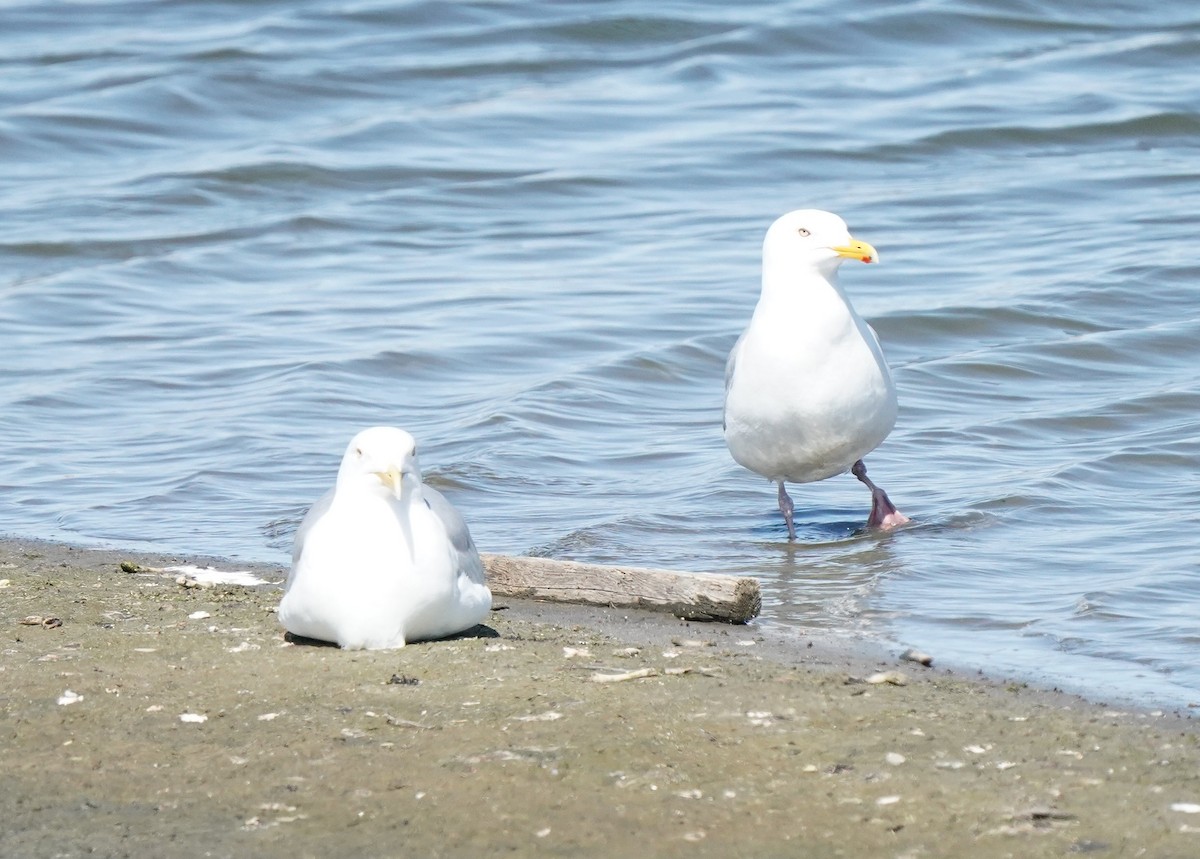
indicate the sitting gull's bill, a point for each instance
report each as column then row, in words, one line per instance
column 808, row 393
column 382, row 559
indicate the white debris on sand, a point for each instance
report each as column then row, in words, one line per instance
column 600, row 677
column 213, row 576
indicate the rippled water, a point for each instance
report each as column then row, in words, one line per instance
column 235, row 233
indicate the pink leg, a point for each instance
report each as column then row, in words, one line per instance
column 787, row 508
column 884, row 514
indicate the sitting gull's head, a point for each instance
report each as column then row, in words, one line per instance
column 381, row 459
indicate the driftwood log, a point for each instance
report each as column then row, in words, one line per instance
column 695, row 596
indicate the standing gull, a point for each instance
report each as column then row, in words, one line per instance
column 383, row 560
column 807, row 389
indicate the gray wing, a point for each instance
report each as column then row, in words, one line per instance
column 729, row 370
column 466, row 555
column 314, row 513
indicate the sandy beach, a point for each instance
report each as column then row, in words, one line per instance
column 145, row 717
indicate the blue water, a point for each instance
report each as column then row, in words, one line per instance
column 232, row 234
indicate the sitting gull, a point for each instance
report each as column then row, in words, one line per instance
column 807, row 389
column 382, row 559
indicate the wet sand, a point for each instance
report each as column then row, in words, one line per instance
column 146, row 718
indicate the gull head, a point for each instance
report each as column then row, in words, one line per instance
column 813, row 239
column 381, row 460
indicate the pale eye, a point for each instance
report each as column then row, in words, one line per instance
column 803, row 232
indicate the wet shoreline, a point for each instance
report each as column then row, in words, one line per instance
column 192, row 727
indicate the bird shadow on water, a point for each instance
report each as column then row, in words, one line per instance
column 816, row 528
